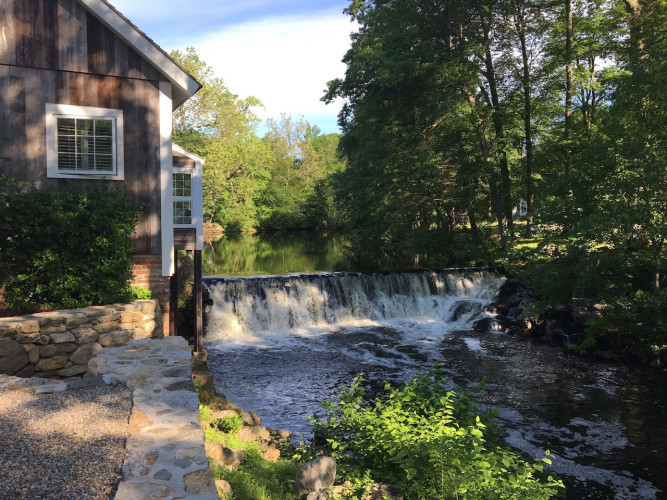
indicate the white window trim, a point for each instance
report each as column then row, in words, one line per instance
column 53, row 111
column 196, row 183
column 191, row 172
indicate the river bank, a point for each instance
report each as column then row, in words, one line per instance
column 604, row 421
column 566, row 325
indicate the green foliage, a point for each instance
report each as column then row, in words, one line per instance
column 204, row 410
column 141, row 293
column 452, row 114
column 258, row 479
column 229, row 425
column 248, row 181
column 299, row 194
column 427, row 439
column 66, row 249
column 219, row 126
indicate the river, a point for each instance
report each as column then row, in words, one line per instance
column 280, row 346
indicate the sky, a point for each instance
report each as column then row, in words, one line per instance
column 281, row 51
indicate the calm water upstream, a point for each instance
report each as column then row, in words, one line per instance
column 279, row 346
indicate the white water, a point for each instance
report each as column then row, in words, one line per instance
column 281, row 345
column 270, row 310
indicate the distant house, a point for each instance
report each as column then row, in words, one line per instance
column 86, row 100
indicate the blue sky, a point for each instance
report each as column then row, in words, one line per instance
column 280, row 51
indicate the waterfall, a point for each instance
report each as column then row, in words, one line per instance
column 245, row 308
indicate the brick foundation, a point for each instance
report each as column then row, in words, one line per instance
column 147, row 270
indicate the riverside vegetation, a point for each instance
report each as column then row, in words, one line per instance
column 456, row 115
column 426, row 438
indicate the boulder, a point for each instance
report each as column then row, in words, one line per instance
column 85, row 353
column 232, row 458
column 33, row 352
column 12, row 357
column 61, row 338
column 56, row 362
column 30, row 326
column 315, row 476
column 219, row 414
column 223, row 487
column 46, row 351
column 510, row 294
column 76, row 319
column 489, row 325
column 73, row 371
column 205, row 379
column 213, row 450
column 317, row 495
column 247, row 434
column 464, row 307
column 272, row 454
column 251, row 418
column 113, row 339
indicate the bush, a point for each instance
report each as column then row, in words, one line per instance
column 229, row 425
column 428, row 440
column 66, row 249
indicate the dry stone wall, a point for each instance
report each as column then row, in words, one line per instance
column 59, row 344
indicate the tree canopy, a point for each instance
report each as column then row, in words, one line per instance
column 456, row 110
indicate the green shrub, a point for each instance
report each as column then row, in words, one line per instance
column 427, row 440
column 230, row 425
column 66, row 249
column 141, row 293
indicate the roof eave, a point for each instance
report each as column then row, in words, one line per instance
column 184, row 84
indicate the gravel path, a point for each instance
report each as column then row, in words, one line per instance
column 65, row 445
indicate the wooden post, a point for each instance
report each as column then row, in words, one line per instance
column 198, row 301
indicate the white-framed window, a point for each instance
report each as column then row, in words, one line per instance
column 84, row 142
column 182, row 192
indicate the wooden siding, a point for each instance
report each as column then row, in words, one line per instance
column 183, row 161
column 24, row 94
column 63, row 35
column 55, row 51
column 185, row 239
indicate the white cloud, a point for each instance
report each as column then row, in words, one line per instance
column 286, row 62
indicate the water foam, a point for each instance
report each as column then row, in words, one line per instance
column 271, row 309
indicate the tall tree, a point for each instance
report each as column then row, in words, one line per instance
column 221, row 127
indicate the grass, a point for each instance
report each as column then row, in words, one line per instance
column 256, row 478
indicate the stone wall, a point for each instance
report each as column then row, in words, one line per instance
column 59, row 344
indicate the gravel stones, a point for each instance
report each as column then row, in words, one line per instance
column 62, row 445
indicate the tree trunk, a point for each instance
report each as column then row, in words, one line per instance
column 505, row 195
column 496, row 200
column 521, row 25
column 569, row 83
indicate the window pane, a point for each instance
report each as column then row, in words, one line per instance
column 84, row 145
column 104, row 163
column 66, row 144
column 66, row 161
column 182, row 184
column 103, row 128
column 182, row 212
column 84, row 126
column 66, row 126
column 103, row 145
column 85, row 162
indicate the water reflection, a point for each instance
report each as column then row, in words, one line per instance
column 281, row 253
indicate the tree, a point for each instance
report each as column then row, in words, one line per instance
column 297, row 195
column 221, row 127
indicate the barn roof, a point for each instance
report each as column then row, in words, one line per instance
column 184, row 85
